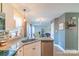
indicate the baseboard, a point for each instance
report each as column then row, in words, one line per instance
column 65, row 50
column 71, row 51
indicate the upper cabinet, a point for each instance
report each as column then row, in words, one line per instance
column 9, row 16
column 2, row 21
column 2, row 18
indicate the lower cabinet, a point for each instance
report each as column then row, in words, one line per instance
column 47, row 48
column 20, row 52
column 33, row 49
column 39, row 48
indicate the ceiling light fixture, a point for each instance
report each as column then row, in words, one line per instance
column 24, row 15
column 40, row 20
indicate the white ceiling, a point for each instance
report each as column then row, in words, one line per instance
column 49, row 11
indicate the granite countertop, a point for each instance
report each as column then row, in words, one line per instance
column 13, row 45
column 10, row 48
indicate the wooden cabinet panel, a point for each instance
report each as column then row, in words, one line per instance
column 47, row 48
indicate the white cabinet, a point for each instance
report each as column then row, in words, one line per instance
column 33, row 49
column 20, row 52
column 37, row 48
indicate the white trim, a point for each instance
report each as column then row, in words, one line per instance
column 59, row 47
column 71, row 51
column 66, row 51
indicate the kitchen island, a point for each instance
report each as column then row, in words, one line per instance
column 32, row 47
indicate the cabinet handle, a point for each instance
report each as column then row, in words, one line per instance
column 20, row 50
column 33, row 48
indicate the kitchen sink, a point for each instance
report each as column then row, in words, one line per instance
column 27, row 40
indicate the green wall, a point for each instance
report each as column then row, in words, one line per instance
column 71, row 38
column 68, row 37
column 59, row 35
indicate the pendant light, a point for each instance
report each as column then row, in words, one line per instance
column 24, row 14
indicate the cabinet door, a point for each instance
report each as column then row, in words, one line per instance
column 37, row 49
column 47, row 48
column 33, row 49
column 20, row 52
column 28, row 50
